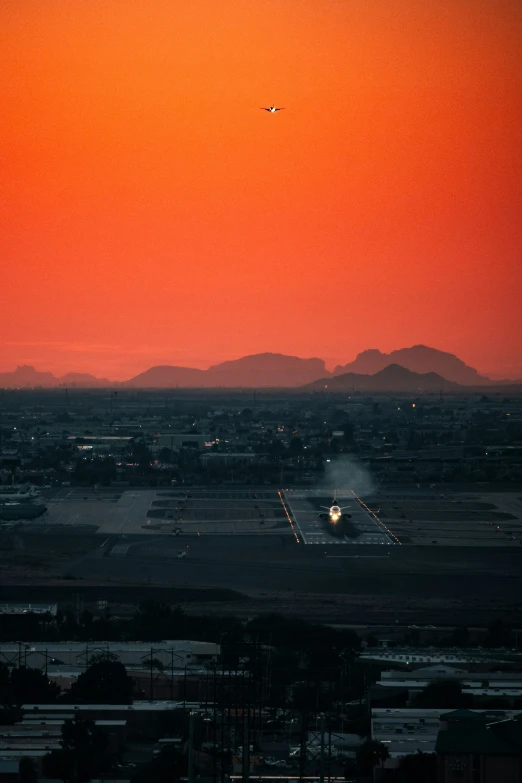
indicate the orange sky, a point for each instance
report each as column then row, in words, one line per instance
column 152, row 214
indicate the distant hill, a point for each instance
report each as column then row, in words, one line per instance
column 272, row 370
column 419, row 359
column 392, row 378
column 258, row 370
column 26, row 377
column 266, row 369
column 167, row 377
column 512, row 374
column 84, row 380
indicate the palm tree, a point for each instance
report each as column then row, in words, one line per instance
column 371, row 754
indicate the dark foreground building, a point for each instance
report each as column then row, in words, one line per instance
column 479, row 748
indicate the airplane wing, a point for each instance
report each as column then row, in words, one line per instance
column 326, row 507
column 264, row 108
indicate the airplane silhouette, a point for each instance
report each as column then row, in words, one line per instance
column 335, row 511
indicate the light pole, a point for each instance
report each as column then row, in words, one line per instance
column 190, row 775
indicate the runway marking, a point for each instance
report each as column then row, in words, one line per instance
column 357, row 557
column 374, row 515
column 119, row 550
column 290, row 520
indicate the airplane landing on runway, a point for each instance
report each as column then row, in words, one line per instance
column 360, row 527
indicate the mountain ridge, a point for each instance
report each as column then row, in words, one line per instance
column 392, row 378
column 270, row 370
column 259, row 370
column 418, row 358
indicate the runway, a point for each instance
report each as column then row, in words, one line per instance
column 306, row 505
column 249, row 545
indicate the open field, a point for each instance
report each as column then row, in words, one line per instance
column 467, row 519
column 420, row 585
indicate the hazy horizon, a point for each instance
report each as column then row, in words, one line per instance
column 84, row 365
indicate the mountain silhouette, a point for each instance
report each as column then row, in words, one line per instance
column 266, row 369
column 418, row 358
column 83, row 380
column 270, row 370
column 168, row 377
column 25, row 377
column 259, row 370
column 392, row 378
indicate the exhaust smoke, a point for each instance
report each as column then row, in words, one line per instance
column 346, row 473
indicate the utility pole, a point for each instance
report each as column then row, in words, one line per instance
column 185, row 687
column 303, row 741
column 172, row 674
column 151, row 678
column 78, row 606
column 246, row 745
column 321, row 757
column 329, row 747
column 214, row 698
column 190, row 774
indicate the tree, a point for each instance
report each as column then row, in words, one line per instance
column 32, row 686
column 443, row 693
column 86, row 618
column 103, row 682
column 296, row 446
column 169, row 766
column 276, row 450
column 309, row 696
column 27, row 770
column 498, row 635
column 141, row 452
column 460, row 637
column 153, row 621
column 82, row 755
column 419, row 767
column 370, row 754
column 10, row 714
column 4, row 682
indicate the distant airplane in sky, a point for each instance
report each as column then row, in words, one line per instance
column 272, row 109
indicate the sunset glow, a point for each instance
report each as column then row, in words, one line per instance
column 152, row 214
